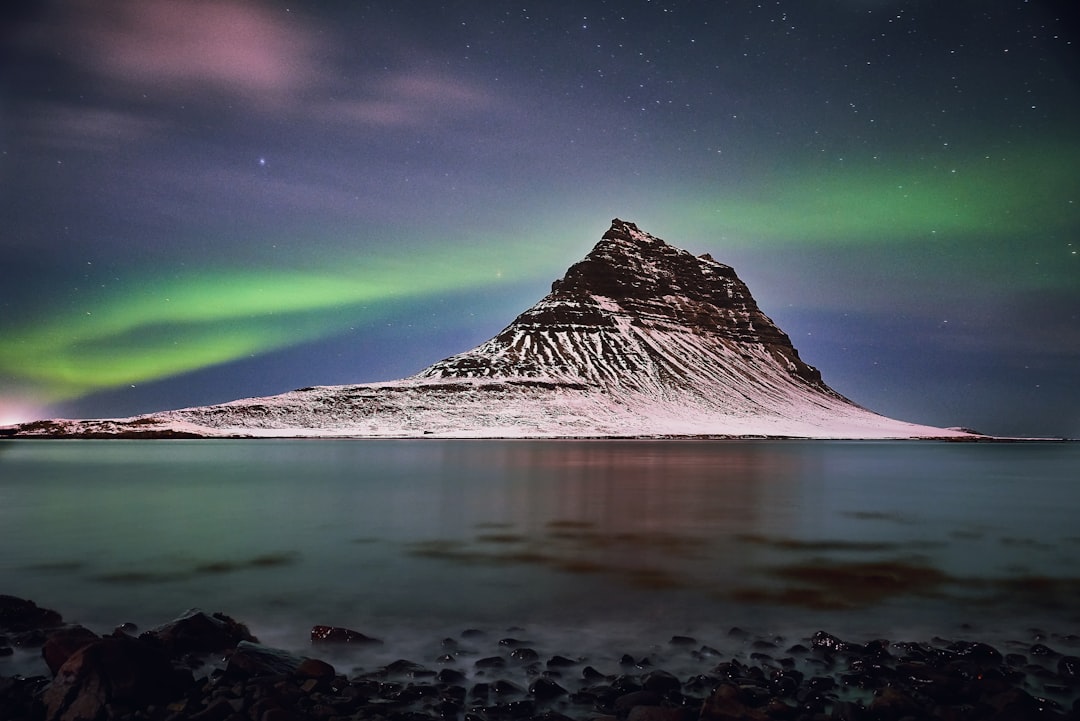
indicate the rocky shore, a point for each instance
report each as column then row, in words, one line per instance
column 209, row 667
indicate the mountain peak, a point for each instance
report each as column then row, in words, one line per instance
column 637, row 338
column 630, row 283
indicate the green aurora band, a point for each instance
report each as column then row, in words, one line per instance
column 180, row 324
column 1029, row 191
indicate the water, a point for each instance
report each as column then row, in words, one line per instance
column 586, row 543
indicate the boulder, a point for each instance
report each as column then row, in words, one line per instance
column 18, row 615
column 339, row 634
column 113, row 672
column 63, row 642
column 197, row 632
column 250, row 660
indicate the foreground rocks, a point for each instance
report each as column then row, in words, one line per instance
column 209, row 667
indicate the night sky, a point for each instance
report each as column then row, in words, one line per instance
column 203, row 201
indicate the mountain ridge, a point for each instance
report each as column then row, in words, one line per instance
column 639, row 338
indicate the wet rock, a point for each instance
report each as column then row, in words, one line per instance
column 197, row 632
column 62, row 643
column 682, row 641
column 1068, row 668
column 659, row 713
column 116, row 672
column 725, row 704
column 524, row 655
column 251, row 660
column 626, row 702
column 339, row 634
column 19, row 615
column 660, row 682
column 546, row 688
column 561, row 662
column 591, row 675
column 507, row 688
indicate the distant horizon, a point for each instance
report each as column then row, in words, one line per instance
column 242, row 199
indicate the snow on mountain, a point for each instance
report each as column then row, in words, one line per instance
column 637, row 339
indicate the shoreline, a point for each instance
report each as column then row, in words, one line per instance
column 209, row 666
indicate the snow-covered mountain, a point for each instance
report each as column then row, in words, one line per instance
column 638, row 339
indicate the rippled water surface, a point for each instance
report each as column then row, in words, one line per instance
column 594, row 539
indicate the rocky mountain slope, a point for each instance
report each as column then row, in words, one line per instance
column 638, row 339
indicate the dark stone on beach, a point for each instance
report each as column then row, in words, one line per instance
column 402, row 667
column 660, row 682
column 252, row 660
column 524, row 655
column 18, row 615
column 546, row 688
column 450, row 676
column 1069, row 668
column 511, row 642
column 112, row 672
column 62, row 643
column 822, row 641
column 660, row 713
column 561, row 662
column 490, row 662
column 339, row 634
column 315, row 668
column 591, row 674
column 197, row 632
column 682, row 641
column 503, row 687
column 726, row 704
column 627, row 701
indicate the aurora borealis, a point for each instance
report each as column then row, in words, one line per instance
column 203, row 201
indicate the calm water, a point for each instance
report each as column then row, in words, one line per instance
column 591, row 542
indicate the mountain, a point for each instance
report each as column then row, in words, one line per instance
column 637, row 339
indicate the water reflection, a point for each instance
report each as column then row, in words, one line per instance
column 519, row 530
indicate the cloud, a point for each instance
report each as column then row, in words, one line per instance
column 411, row 98
column 264, row 55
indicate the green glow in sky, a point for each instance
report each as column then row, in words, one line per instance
column 165, row 327
column 1029, row 190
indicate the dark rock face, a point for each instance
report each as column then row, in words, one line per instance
column 630, row 279
column 17, row 615
column 117, row 672
column 198, row 632
column 63, row 643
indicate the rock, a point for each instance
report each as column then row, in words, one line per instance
column 1069, row 668
column 659, row 713
column 339, row 634
column 315, row 668
column 490, row 662
column 251, row 660
column 625, row 703
column 725, row 704
column 660, row 682
column 62, row 643
column 545, row 688
column 121, row 672
column 197, row 632
column 18, row 615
